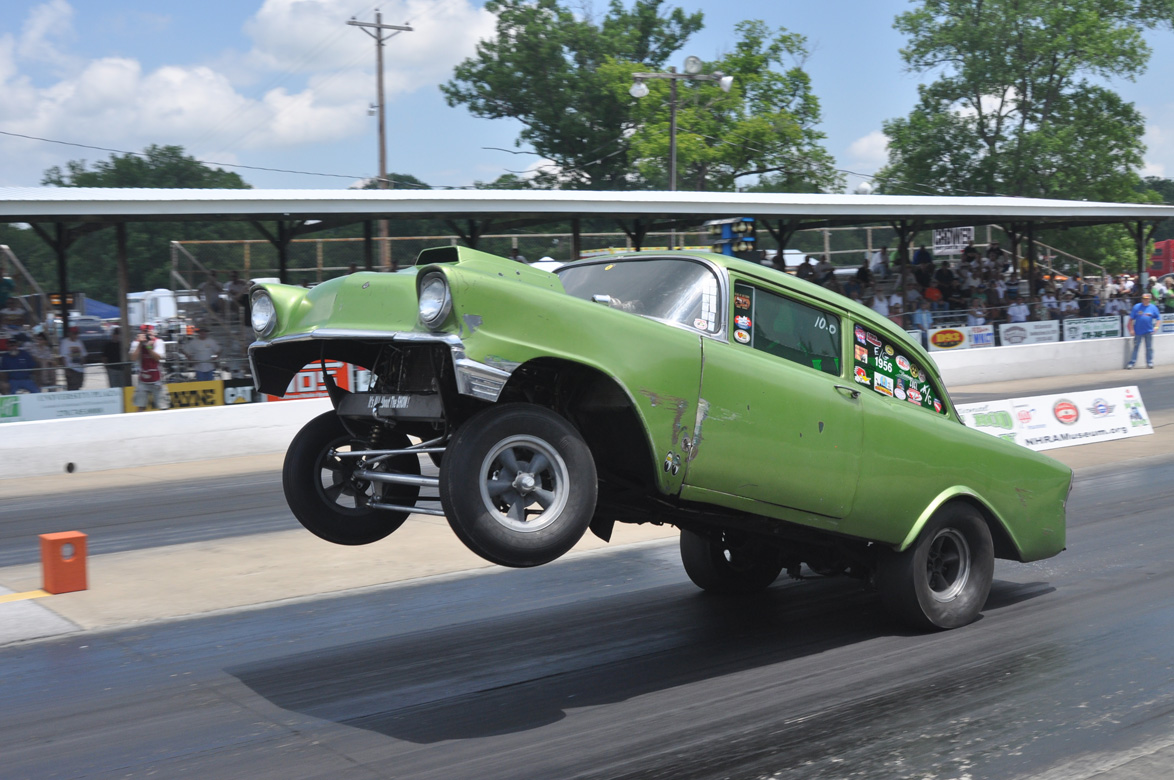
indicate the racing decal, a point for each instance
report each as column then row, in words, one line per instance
column 889, row 350
column 937, row 406
column 861, row 354
column 913, row 394
column 884, row 364
column 899, row 390
column 882, row 384
column 1100, row 408
column 903, row 364
column 701, row 324
column 860, row 334
column 741, row 301
column 609, row 267
column 742, row 321
column 893, row 373
column 862, row 376
column 742, row 336
column 872, row 339
column 1065, row 411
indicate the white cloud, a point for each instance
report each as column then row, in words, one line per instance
column 868, row 153
column 1159, row 155
column 315, row 75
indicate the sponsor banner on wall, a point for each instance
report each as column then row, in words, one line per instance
column 1029, row 332
column 183, row 395
column 57, row 406
column 1167, row 324
column 308, row 383
column 951, row 241
column 981, row 336
column 941, row 339
column 1093, row 328
column 241, row 391
column 1045, row 422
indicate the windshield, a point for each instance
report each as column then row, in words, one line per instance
column 678, row 290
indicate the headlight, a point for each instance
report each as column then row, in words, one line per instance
column 264, row 314
column 435, row 300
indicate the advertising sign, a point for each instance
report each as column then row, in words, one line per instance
column 308, row 383
column 1029, row 332
column 1044, row 422
column 1093, row 328
column 981, row 336
column 1167, row 324
column 240, row 391
column 951, row 241
column 941, row 339
column 56, row 406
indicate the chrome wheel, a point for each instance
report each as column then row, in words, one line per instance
column 948, row 564
column 524, row 483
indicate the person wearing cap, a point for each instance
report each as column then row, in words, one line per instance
column 201, row 351
column 16, row 368
column 148, row 352
column 1142, row 320
column 73, row 357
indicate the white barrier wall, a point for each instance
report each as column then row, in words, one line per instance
column 43, row 447
column 116, row 441
column 1059, row 358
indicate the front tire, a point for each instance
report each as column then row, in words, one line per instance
column 327, row 497
column 518, row 485
column 729, row 563
column 943, row 580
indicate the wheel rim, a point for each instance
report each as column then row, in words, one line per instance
column 524, row 483
column 336, row 482
column 948, row 564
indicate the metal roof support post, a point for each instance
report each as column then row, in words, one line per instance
column 368, row 245
column 635, row 234
column 576, row 239
column 60, row 244
column 1031, row 250
column 1141, row 238
column 282, row 252
column 123, row 292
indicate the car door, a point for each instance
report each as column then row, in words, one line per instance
column 778, row 423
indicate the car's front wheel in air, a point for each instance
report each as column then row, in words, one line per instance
column 327, row 491
column 518, row 484
column 944, row 578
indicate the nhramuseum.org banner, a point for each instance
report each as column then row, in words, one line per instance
column 1044, row 422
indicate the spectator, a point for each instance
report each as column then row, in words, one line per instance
column 210, row 291
column 1114, row 306
column 16, row 368
column 112, row 357
column 73, row 356
column 934, row 296
column 879, row 262
column 977, row 313
column 148, row 353
column 1048, row 299
column 805, row 269
column 202, row 350
column 12, row 316
column 1158, row 292
column 1142, row 319
column 1039, row 312
column 880, row 303
column 237, row 291
column 47, row 374
column 864, row 275
column 1018, row 311
column 922, row 256
column 1069, row 307
column 824, row 270
column 923, row 319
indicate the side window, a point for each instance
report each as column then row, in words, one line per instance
column 879, row 363
column 787, row 329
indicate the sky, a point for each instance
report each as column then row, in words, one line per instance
column 284, row 86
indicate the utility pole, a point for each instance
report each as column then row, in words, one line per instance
column 380, row 35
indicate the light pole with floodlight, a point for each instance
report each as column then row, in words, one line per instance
column 692, row 73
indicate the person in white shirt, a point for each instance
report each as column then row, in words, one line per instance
column 1114, row 307
column 977, row 314
column 1051, row 305
column 201, row 350
column 1069, row 307
column 880, row 304
column 1018, row 311
column 73, row 357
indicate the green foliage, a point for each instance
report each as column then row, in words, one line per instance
column 93, row 263
column 764, row 127
column 1014, row 110
column 545, row 68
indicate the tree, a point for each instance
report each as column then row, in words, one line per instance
column 92, row 267
column 1015, row 110
column 764, row 127
column 545, row 68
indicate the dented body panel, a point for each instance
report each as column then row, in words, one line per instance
column 723, row 424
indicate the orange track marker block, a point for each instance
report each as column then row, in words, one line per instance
column 63, row 561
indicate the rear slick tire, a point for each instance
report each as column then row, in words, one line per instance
column 729, row 563
column 942, row 581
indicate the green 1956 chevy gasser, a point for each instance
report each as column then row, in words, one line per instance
column 775, row 423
